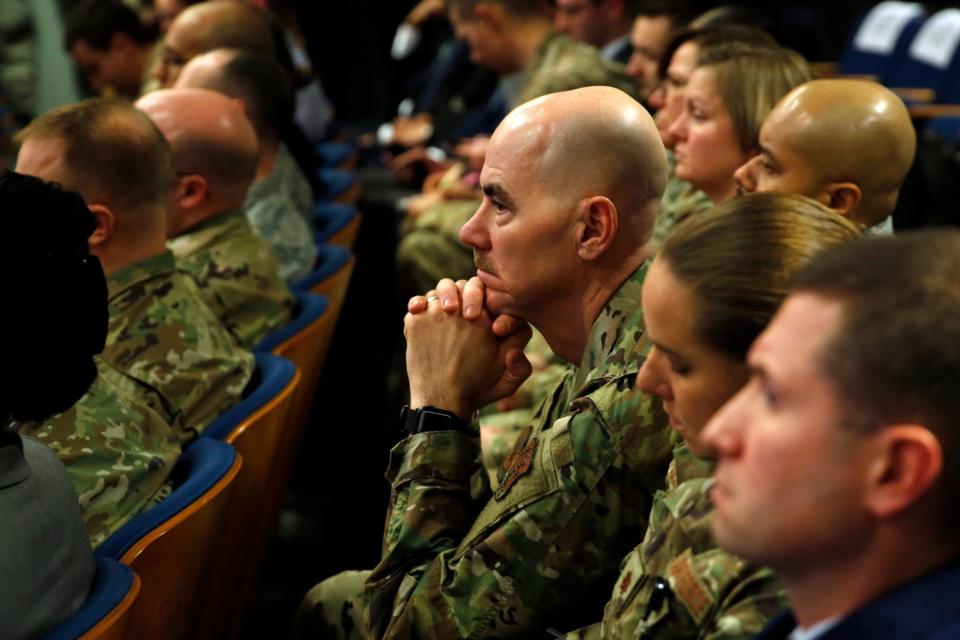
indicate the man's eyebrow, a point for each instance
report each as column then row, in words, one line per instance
column 667, row 351
column 496, row 192
column 758, row 371
column 769, row 154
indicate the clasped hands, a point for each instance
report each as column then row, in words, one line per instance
column 459, row 356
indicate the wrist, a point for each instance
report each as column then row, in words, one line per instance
column 461, row 409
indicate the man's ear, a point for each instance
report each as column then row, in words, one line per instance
column 599, row 222
column 104, row 224
column 844, row 197
column 191, row 190
column 908, row 461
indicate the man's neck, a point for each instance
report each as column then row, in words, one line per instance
column 567, row 327
column 115, row 259
column 841, row 586
column 265, row 161
column 526, row 36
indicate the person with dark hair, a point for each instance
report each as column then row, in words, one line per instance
column 712, row 288
column 46, row 567
column 111, row 48
column 655, row 23
column 215, row 158
column 837, row 462
column 161, row 330
column 280, row 198
column 117, row 450
column 605, row 24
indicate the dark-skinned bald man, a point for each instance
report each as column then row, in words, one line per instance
column 563, row 245
column 846, row 143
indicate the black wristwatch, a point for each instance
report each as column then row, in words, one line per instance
column 430, row 419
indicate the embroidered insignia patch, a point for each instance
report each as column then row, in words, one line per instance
column 519, row 463
column 688, row 587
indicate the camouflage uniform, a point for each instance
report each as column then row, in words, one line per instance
column 237, row 275
column 18, row 53
column 432, row 249
column 574, row 499
column 275, row 217
column 118, row 451
column 163, row 334
column 677, row 583
column 293, row 181
column 680, row 199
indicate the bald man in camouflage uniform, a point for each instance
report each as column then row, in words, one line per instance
column 575, row 493
column 161, row 331
column 209, row 233
column 432, row 250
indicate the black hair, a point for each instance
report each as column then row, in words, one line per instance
column 95, row 22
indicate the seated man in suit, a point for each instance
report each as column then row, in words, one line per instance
column 161, row 330
column 215, row 156
column 846, row 143
column 46, row 567
column 837, row 463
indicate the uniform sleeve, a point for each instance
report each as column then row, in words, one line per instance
column 755, row 600
column 541, row 553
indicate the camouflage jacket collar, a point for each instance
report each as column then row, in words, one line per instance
column 553, row 39
column 210, row 232
column 686, row 466
column 614, row 346
column 131, row 274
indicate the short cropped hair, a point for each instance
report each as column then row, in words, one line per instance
column 54, row 295
column 751, row 80
column 111, row 148
column 739, row 259
column 96, row 21
column 896, row 356
column 464, row 8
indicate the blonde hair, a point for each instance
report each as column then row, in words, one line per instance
column 751, row 79
column 740, row 257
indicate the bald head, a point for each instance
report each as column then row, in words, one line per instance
column 212, row 25
column 848, row 143
column 211, row 138
column 592, row 141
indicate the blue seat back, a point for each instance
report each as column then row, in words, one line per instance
column 880, row 38
column 198, row 469
column 112, row 581
column 308, row 307
column 271, row 376
column 931, row 60
column 336, row 182
column 330, row 217
column 330, row 259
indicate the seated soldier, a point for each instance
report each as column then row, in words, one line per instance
column 215, row 158
column 563, row 245
column 846, row 143
column 837, row 462
column 161, row 330
column 117, row 450
column 712, row 288
column 604, row 24
column 111, row 48
column 274, row 204
column 46, row 567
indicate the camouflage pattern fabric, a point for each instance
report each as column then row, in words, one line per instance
column 680, row 199
column 432, row 249
column 573, row 501
column 18, row 53
column 117, row 450
column 293, row 181
column 163, row 334
column 561, row 63
column 333, row 609
column 275, row 217
column 237, row 274
column 677, row 583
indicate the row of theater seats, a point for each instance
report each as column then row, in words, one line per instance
column 916, row 52
column 187, row 566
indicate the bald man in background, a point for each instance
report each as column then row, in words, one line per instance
column 274, row 205
column 211, row 25
column 564, row 246
column 848, row 144
column 215, row 157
